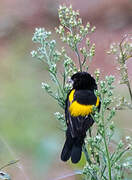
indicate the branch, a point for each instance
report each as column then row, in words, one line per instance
column 78, row 55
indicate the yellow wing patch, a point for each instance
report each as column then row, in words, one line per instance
column 77, row 109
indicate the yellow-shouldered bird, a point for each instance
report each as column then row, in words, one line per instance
column 79, row 104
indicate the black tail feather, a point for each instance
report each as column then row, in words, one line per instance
column 77, row 148
column 76, row 154
column 66, row 151
column 72, row 148
column 73, row 145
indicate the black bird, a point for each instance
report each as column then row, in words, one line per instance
column 78, row 107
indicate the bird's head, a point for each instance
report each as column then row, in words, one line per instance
column 83, row 80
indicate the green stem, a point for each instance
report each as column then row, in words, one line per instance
column 61, row 89
column 108, row 157
column 58, row 83
column 10, row 163
column 90, row 133
column 123, row 61
column 49, row 60
column 86, row 154
column 105, row 143
column 64, row 79
column 76, row 49
column 120, row 155
column 130, row 92
column 77, row 53
column 102, row 173
column 92, row 148
column 84, row 61
column 94, row 176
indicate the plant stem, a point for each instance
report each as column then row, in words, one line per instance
column 58, row 83
column 108, row 157
column 123, row 61
column 102, row 173
column 77, row 53
column 90, row 134
column 10, row 163
column 120, row 155
column 86, row 154
column 130, row 92
column 94, row 176
column 105, row 143
column 92, row 148
column 84, row 61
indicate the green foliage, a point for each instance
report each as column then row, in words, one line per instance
column 48, row 53
column 103, row 162
column 72, row 32
column 123, row 52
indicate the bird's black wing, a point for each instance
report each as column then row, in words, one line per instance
column 68, row 116
column 77, row 125
column 77, row 122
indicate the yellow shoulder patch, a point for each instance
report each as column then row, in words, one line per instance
column 77, row 109
column 97, row 102
column 71, row 95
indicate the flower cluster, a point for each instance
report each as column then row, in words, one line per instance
column 123, row 52
column 48, row 53
column 72, row 32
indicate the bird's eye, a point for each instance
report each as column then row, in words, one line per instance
column 70, row 81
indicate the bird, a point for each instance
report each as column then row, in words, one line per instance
column 78, row 109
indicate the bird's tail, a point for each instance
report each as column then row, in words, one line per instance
column 67, row 148
column 73, row 145
column 72, row 148
column 76, row 153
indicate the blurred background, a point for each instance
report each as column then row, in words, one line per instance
column 28, row 129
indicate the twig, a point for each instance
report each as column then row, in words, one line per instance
column 84, row 61
column 106, row 145
column 8, row 164
column 86, row 154
column 130, row 92
column 78, row 55
column 123, row 60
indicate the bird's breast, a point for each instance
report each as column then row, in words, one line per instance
column 77, row 109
